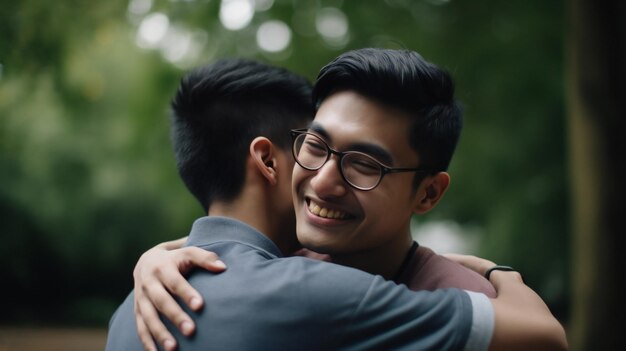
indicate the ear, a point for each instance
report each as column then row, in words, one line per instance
column 430, row 191
column 263, row 154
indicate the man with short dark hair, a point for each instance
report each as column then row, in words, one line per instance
column 376, row 154
column 217, row 112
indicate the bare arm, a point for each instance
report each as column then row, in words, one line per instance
column 523, row 320
column 158, row 274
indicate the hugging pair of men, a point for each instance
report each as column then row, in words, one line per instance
column 369, row 148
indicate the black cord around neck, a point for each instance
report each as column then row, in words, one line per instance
column 407, row 259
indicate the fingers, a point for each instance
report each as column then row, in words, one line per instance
column 144, row 335
column 208, row 260
column 178, row 286
column 152, row 294
column 150, row 327
column 184, row 260
column 161, row 300
column 158, row 273
column 188, row 258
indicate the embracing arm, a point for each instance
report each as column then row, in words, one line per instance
column 158, row 274
column 522, row 319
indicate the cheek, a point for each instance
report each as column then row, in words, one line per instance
column 384, row 203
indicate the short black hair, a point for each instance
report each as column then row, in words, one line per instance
column 220, row 108
column 404, row 80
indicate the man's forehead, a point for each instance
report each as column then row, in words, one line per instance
column 344, row 126
column 349, row 107
column 350, row 121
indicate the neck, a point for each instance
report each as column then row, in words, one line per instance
column 254, row 207
column 383, row 260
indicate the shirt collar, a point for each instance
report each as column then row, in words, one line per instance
column 212, row 229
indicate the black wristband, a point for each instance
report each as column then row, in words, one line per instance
column 498, row 268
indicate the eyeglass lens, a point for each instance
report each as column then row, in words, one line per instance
column 358, row 169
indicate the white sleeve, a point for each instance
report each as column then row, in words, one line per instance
column 483, row 322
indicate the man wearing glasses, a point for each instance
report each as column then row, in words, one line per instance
column 377, row 153
column 356, row 204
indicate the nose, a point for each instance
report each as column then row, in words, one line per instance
column 328, row 182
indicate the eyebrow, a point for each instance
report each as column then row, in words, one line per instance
column 379, row 153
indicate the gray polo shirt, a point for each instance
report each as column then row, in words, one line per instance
column 265, row 302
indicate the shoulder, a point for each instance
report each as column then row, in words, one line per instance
column 122, row 334
column 323, row 278
column 369, row 312
column 432, row 271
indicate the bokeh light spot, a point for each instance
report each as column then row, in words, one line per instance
column 331, row 23
column 273, row 36
column 152, row 30
column 236, row 14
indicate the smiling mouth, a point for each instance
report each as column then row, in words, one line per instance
column 324, row 212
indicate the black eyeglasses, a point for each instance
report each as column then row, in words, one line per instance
column 360, row 170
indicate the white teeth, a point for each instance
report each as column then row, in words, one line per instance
column 324, row 212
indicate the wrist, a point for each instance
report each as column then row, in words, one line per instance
column 498, row 268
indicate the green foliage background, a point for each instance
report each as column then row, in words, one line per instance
column 87, row 177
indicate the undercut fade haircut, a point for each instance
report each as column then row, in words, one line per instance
column 219, row 109
column 402, row 79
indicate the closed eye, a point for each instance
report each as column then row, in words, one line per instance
column 314, row 147
column 364, row 165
